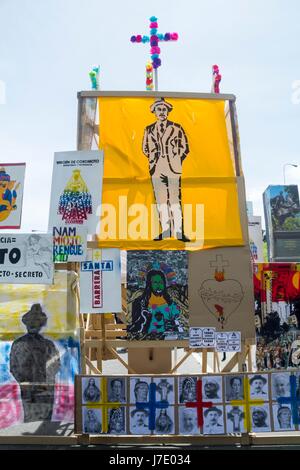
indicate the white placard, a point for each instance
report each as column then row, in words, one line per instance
column 11, row 194
column 26, row 259
column 228, row 341
column 76, row 189
column 195, row 337
column 100, row 282
column 69, row 244
column 255, row 238
column 202, row 337
column 221, row 342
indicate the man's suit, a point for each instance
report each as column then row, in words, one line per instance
column 165, row 145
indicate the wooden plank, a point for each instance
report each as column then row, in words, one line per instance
column 181, row 361
column 157, row 94
column 155, row 439
column 116, row 355
column 39, row 440
column 92, row 367
column 204, row 361
column 231, row 364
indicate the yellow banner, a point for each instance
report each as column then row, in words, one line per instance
column 169, row 179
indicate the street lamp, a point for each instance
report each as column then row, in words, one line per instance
column 284, row 167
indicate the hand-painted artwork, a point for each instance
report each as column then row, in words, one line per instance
column 37, row 374
column 26, row 259
column 221, row 290
column 76, row 189
column 277, row 315
column 157, row 295
column 282, row 208
column 100, row 276
column 157, row 147
column 69, row 244
column 11, row 194
column 146, row 412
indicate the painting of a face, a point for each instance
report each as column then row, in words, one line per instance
column 157, row 284
column 161, row 112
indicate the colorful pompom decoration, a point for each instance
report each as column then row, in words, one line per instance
column 216, row 78
column 149, row 76
column 94, row 77
column 133, row 39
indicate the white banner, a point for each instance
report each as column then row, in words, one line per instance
column 76, row 190
column 26, row 259
column 255, row 238
column 100, row 282
column 11, row 194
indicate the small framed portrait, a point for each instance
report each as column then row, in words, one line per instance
column 139, row 421
column 212, row 388
column 139, row 389
column 280, row 385
column 188, row 421
column 260, row 418
column 91, row 420
column 187, row 389
column 165, row 389
column 164, row 421
column 116, row 420
column 91, row 389
column 234, row 387
column 235, row 419
column 283, row 418
column 116, row 389
column 213, row 420
column 259, row 386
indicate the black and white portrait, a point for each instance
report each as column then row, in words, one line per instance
column 91, row 420
column 139, row 421
column 116, row 420
column 188, row 421
column 187, row 389
column 91, row 390
column 165, row 390
column 259, row 386
column 234, row 387
column 139, row 389
column 282, row 417
column 213, row 420
column 280, row 385
column 235, row 419
column 212, row 388
column 260, row 418
column 164, row 421
column 116, row 391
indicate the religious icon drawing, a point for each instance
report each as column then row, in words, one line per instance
column 157, row 295
column 235, row 419
column 11, row 194
column 75, row 204
column 165, row 144
column 221, row 296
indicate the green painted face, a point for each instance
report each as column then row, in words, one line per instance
column 157, row 284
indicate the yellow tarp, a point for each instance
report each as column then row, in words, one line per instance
column 129, row 218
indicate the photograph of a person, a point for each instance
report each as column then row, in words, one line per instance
column 165, row 389
column 259, row 386
column 212, row 388
column 116, row 420
column 282, row 417
column 234, row 387
column 116, row 390
column 91, row 420
column 187, row 389
column 139, row 389
column 91, row 389
column 139, row 421
column 260, row 418
column 235, row 419
column 164, row 421
column 188, row 422
column 157, row 295
column 280, row 385
column 213, row 420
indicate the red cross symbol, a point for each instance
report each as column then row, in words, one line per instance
column 199, row 403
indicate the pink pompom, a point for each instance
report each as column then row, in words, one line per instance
column 153, row 25
column 215, row 68
column 139, row 38
column 155, row 50
column 174, row 36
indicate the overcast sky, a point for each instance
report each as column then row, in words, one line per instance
column 48, row 47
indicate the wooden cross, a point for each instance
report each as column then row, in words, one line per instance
column 199, row 404
column 246, row 403
column 154, row 39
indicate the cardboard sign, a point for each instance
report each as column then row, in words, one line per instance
column 11, row 194
column 26, row 259
column 69, row 244
column 100, row 282
column 76, row 190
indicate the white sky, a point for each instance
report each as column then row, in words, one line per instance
column 48, row 47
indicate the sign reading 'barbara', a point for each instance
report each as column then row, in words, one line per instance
column 26, row 259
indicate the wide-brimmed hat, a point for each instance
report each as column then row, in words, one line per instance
column 133, row 412
column 261, row 410
column 33, row 315
column 213, row 408
column 158, row 102
column 258, row 377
